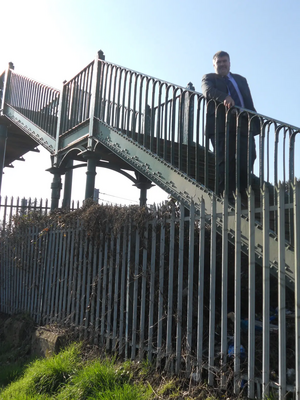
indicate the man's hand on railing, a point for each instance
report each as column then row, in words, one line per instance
column 229, row 102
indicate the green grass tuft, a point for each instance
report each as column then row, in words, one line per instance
column 49, row 374
column 125, row 392
column 45, row 377
column 10, row 373
column 66, row 377
column 97, row 377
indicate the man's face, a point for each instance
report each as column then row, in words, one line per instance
column 221, row 65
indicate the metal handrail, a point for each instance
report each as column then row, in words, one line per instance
column 167, row 119
column 76, row 99
column 151, row 111
column 36, row 101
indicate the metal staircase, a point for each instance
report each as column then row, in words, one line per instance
column 116, row 118
column 112, row 117
column 27, row 107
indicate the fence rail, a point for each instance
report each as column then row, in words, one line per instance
column 170, row 289
column 9, row 208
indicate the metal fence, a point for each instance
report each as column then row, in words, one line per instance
column 150, row 292
column 170, row 289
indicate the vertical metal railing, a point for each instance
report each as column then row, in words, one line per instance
column 124, row 290
column 2, row 86
column 76, row 99
column 36, row 101
column 170, row 121
column 10, row 207
column 167, row 119
column 164, row 117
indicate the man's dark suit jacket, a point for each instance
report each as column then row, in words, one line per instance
column 214, row 88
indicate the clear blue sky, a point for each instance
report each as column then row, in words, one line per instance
column 174, row 40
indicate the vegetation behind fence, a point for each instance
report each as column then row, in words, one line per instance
column 144, row 282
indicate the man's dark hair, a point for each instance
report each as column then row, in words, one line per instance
column 221, row 54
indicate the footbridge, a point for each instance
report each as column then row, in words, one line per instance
column 153, row 132
column 112, row 117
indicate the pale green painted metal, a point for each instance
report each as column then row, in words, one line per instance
column 3, row 142
column 281, row 296
column 104, row 289
column 251, row 296
column 122, row 291
column 180, row 291
column 135, row 278
column 40, row 136
column 200, row 294
column 68, row 271
column 296, row 193
column 190, row 292
column 224, row 308
column 160, row 296
column 99, row 287
column 143, row 294
column 169, row 350
column 117, row 268
column 127, row 305
column 91, row 94
column 110, row 294
column 94, row 294
column 185, row 190
column 152, row 292
column 212, row 295
column 266, row 296
column 88, row 290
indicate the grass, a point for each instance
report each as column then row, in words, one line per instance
column 10, row 373
column 81, row 372
column 66, row 376
column 77, row 374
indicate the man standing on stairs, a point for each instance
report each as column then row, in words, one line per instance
column 223, row 91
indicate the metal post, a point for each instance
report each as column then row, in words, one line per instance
column 266, row 293
column 68, row 185
column 297, row 286
column 281, row 294
column 3, row 140
column 251, row 295
column 95, row 95
column 143, row 196
column 212, row 299
column 188, row 115
column 90, row 176
column 5, row 84
column 55, row 188
column 143, row 184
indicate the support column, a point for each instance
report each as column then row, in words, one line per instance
column 90, row 176
column 143, row 196
column 55, row 187
column 68, row 185
column 143, row 184
column 3, row 140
